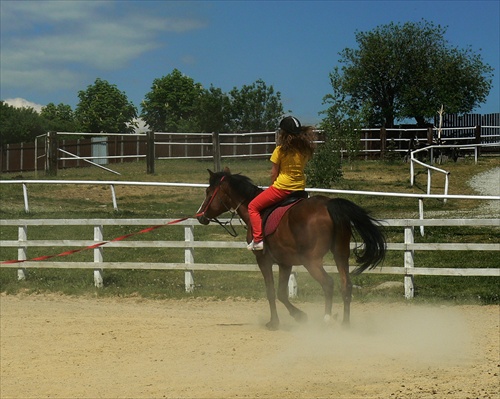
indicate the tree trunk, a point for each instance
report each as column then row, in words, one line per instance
column 421, row 122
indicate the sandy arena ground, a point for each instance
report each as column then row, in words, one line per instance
column 60, row 347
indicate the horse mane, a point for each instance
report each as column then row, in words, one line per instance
column 241, row 184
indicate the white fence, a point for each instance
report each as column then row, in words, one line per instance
column 430, row 168
column 112, row 184
column 409, row 266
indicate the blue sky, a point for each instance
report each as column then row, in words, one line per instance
column 52, row 49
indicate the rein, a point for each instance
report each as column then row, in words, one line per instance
column 231, row 232
column 94, row 246
column 229, row 229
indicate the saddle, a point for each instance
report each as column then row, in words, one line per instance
column 271, row 216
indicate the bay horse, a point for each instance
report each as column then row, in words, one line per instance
column 305, row 234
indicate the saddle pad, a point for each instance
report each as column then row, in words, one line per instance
column 273, row 220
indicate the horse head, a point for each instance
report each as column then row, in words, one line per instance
column 216, row 199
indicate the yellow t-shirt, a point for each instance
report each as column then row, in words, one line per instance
column 291, row 170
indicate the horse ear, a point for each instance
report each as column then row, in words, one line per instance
column 226, row 170
column 210, row 172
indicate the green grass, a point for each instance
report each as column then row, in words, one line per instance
column 72, row 202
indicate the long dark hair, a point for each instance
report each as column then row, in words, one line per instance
column 302, row 142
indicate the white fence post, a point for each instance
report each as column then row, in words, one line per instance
column 293, row 285
column 189, row 280
column 113, row 195
column 421, row 214
column 409, row 262
column 98, row 237
column 25, row 196
column 189, row 258
column 189, row 251
column 22, row 251
column 412, row 170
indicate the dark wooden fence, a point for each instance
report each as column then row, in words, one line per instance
column 117, row 148
column 32, row 156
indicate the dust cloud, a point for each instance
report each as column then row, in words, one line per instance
column 412, row 334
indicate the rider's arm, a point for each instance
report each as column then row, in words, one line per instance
column 275, row 171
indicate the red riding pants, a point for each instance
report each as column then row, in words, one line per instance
column 268, row 197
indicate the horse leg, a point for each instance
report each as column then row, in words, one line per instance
column 284, row 276
column 317, row 271
column 266, row 267
column 341, row 257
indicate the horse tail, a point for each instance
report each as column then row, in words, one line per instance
column 346, row 214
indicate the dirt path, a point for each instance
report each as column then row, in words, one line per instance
column 60, row 347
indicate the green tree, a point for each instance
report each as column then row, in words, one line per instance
column 340, row 132
column 213, row 111
column 342, row 122
column 409, row 71
column 176, row 103
column 255, row 107
column 170, row 106
column 325, row 168
column 60, row 118
column 19, row 125
column 104, row 108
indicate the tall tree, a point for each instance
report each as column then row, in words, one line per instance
column 19, row 125
column 255, row 107
column 214, row 111
column 176, row 103
column 59, row 118
column 409, row 71
column 104, row 108
column 170, row 106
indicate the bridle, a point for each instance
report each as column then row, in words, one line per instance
column 228, row 226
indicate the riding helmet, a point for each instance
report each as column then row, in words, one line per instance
column 290, row 124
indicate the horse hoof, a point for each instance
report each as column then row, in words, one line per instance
column 273, row 325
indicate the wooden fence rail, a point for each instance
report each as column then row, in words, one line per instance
column 109, row 148
column 408, row 247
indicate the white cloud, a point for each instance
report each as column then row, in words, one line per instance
column 40, row 79
column 142, row 126
column 43, row 41
column 22, row 103
column 20, row 15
